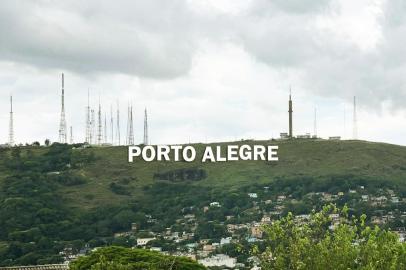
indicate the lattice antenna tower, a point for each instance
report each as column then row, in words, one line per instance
column 146, row 141
column 62, row 123
column 130, row 127
column 118, row 135
column 355, row 124
column 92, row 125
column 88, row 121
column 99, row 126
column 11, row 124
column 127, row 129
column 71, row 135
column 105, row 127
column 111, row 124
column 315, row 123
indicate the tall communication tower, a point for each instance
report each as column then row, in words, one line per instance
column 344, row 122
column 354, row 125
column 99, row 126
column 130, row 139
column 105, row 127
column 11, row 124
column 315, row 123
column 145, row 127
column 111, row 124
column 290, row 114
column 88, row 121
column 92, row 125
column 118, row 135
column 71, row 135
column 62, row 123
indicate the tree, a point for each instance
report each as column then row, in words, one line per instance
column 47, row 142
column 316, row 245
column 120, row 258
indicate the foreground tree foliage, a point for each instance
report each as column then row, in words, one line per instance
column 317, row 245
column 120, row 258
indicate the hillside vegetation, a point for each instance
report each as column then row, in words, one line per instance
column 297, row 159
column 68, row 196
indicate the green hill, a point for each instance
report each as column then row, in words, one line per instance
column 297, row 159
column 64, row 195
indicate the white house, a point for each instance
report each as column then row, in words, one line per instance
column 219, row 260
column 144, row 241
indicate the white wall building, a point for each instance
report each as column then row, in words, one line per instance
column 219, row 260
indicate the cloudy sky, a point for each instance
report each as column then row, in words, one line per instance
column 207, row 70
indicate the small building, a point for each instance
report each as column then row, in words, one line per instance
column 225, row 241
column 143, row 241
column 304, row 136
column 256, row 231
column 281, row 198
column 284, row 136
column 209, row 248
column 215, row 204
column 219, row 260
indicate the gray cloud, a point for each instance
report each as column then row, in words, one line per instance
column 149, row 50
column 146, row 38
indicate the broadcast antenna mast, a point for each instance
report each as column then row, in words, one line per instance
column 71, row 135
column 92, row 126
column 345, row 123
column 11, row 125
column 315, row 122
column 118, row 135
column 130, row 127
column 88, row 127
column 62, row 123
column 355, row 127
column 99, row 125
column 290, row 111
column 145, row 127
column 105, row 127
column 111, row 124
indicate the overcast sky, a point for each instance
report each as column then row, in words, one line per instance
column 207, row 70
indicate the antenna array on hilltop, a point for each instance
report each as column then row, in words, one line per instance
column 102, row 134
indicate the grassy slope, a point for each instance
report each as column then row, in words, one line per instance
column 296, row 158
